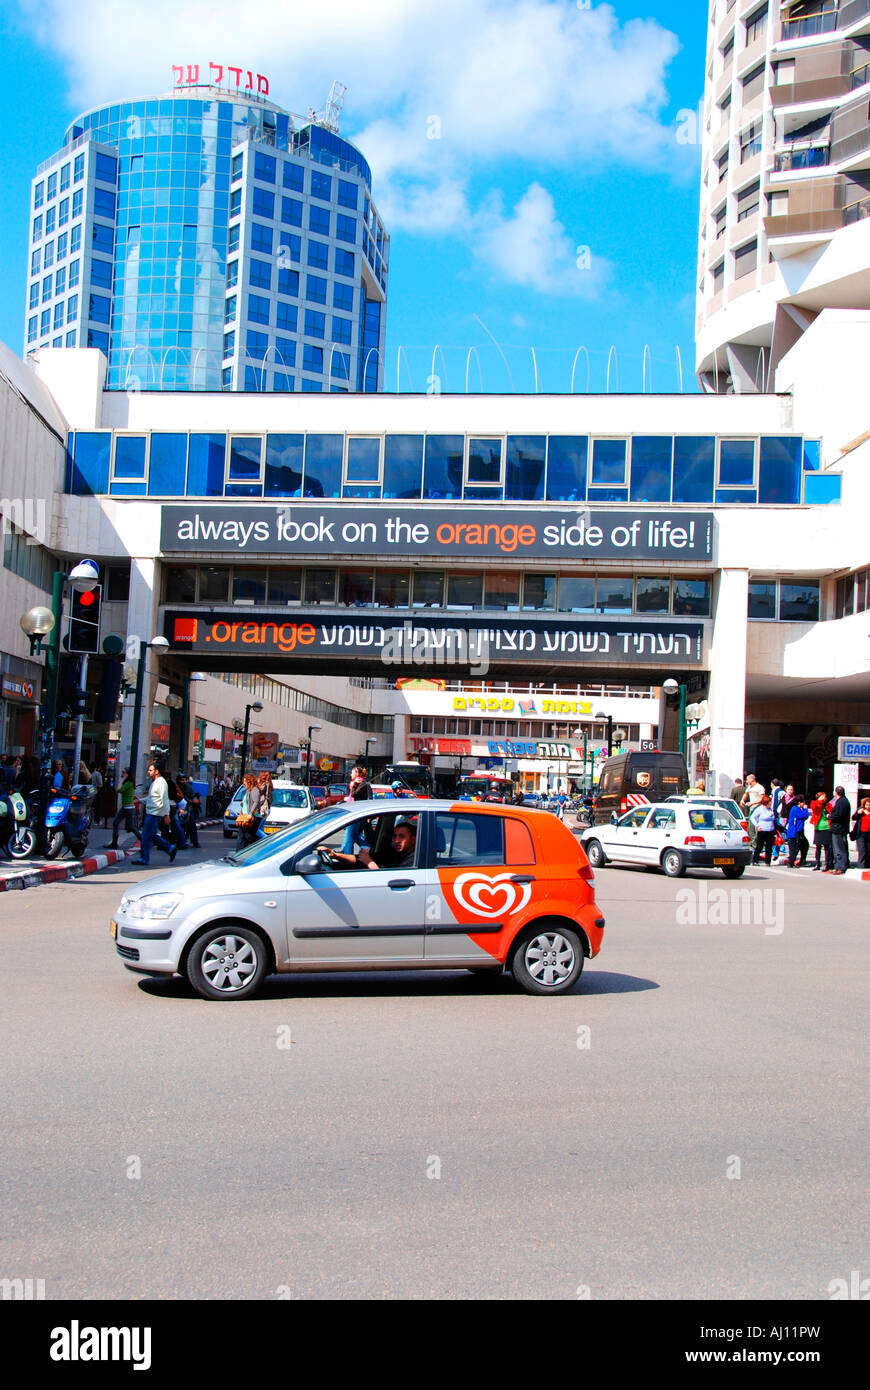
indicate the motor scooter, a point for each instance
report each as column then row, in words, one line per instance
column 22, row 840
column 68, row 820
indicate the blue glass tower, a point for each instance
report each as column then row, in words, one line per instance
column 207, row 240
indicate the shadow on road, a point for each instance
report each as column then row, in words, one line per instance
column 399, row 984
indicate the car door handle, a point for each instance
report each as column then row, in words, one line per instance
column 270, row 904
column 522, row 878
column 398, row 883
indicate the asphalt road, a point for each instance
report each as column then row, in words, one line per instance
column 416, row 1136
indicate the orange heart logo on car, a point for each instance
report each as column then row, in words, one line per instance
column 490, row 897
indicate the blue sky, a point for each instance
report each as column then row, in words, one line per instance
column 524, row 152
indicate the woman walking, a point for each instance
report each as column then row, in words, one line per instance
column 765, row 825
column 266, row 789
column 248, row 819
column 126, row 810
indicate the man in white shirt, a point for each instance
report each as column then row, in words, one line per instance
column 752, row 800
column 156, row 814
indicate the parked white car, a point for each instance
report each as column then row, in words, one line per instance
column 291, row 803
column 674, row 835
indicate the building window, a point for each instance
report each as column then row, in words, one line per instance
column 315, row 289
column 750, row 142
column 285, row 317
column 722, row 167
column 44, row 322
column 58, row 316
column 35, row 262
column 230, row 309
column 38, row 195
column 321, row 186
column 342, row 330
column 291, row 212
column 233, row 273
column 70, row 340
column 719, row 220
column 285, row 351
column 288, row 283
column 229, row 344
column 73, row 274
column 37, row 229
column 745, row 260
column 31, row 329
column 345, row 263
column 653, row 594
column 340, row 365
column 63, row 212
column 692, row 597
column 46, row 289
column 315, row 324
column 291, row 247
column 260, row 274
column 261, row 238
column 235, row 202
column 263, row 203
column 483, row 474
column 345, row 228
column 309, row 385
column 312, row 358
column 342, row 298
column 539, row 593
column 51, row 187
column 61, row 246
column 34, row 295
column 318, row 221
column 799, row 603
column 753, row 83
column 77, row 202
column 72, row 308
column 237, row 167
column 748, row 201
column 347, row 194
column 737, row 463
column 99, row 308
column 428, row 589
column 101, row 273
column 608, row 463
column 293, row 176
column 75, row 239
column 318, row 255
column 106, row 168
column 756, row 25
column 256, row 344
column 78, row 168
column 48, row 258
column 265, row 166
column 64, row 177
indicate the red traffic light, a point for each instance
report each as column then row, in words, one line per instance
column 87, row 598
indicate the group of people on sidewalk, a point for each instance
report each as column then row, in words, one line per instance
column 167, row 801
column 783, row 815
column 256, row 805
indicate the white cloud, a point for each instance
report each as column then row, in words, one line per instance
column 438, row 96
column 530, row 247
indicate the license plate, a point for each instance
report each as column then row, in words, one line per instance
column 723, row 861
column 113, row 927
column 270, row 829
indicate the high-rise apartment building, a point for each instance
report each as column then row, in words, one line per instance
column 785, row 199
column 208, row 240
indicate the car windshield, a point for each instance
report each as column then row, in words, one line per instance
column 338, row 789
column 319, row 824
column 289, row 796
column 713, row 818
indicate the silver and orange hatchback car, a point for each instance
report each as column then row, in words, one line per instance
column 417, row 885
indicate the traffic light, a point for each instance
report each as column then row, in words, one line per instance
column 84, row 621
column 80, row 705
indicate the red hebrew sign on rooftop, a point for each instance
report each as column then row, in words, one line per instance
column 187, row 75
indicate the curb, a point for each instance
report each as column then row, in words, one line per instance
column 76, row 868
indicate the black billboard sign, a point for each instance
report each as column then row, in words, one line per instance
column 448, row 641
column 323, row 532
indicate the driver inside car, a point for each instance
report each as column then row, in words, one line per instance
column 400, row 856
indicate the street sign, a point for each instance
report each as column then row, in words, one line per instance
column 853, row 750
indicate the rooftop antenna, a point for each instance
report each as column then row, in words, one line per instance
column 334, row 103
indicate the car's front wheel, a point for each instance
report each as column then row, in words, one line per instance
column 672, row 863
column 227, row 963
column 547, row 960
column 595, row 854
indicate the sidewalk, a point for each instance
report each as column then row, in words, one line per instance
column 61, row 871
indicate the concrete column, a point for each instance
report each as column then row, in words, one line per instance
column 727, row 700
column 400, row 738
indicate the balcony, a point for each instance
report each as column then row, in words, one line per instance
column 856, row 212
column 811, row 26
column 852, row 151
column 853, row 12
column 825, row 220
column 805, row 93
column 801, row 158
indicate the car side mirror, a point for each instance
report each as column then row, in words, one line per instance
column 309, row 864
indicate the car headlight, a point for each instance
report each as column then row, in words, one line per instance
column 151, row 908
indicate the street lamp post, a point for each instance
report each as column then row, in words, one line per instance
column 311, row 729
column 42, row 627
column 185, row 714
column 159, row 645
column 673, row 687
column 609, row 718
column 256, row 705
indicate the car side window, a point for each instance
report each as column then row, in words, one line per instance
column 468, row 839
column 518, row 842
column 635, row 819
column 663, row 820
column 373, row 834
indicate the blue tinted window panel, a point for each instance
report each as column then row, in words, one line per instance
column 608, row 462
column 820, row 489
column 737, row 463
column 284, row 465
column 403, row 465
column 694, row 465
column 167, row 471
column 726, row 496
column 322, row 464
column 130, row 458
column 651, row 461
column 363, row 460
column 483, row 494
column 205, row 465
column 526, row 455
column 780, row 468
column 126, row 489
column 244, row 458
column 812, row 447
column 608, row 494
column 293, row 176
column 566, row 468
column 442, row 474
column 90, row 469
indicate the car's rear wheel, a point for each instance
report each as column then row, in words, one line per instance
column 547, row 960
column 227, row 963
column 672, row 863
column 595, row 854
column 734, row 870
